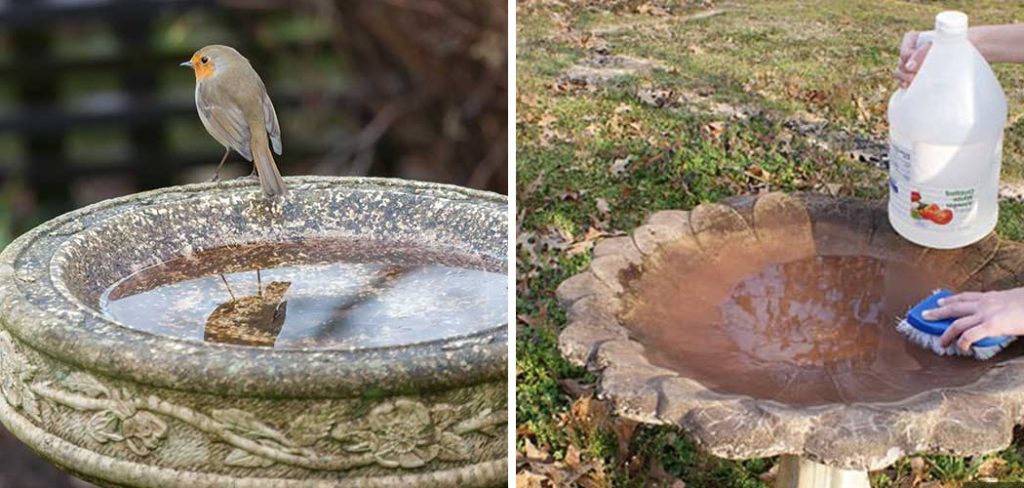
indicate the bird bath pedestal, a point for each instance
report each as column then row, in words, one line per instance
column 348, row 361
column 795, row 472
column 765, row 326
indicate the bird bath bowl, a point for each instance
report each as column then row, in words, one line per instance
column 350, row 334
column 765, row 326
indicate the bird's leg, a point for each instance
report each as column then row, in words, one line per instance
column 259, row 282
column 225, row 280
column 216, row 174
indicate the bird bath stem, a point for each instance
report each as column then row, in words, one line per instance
column 796, row 472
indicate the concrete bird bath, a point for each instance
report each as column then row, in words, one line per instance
column 765, row 327
column 140, row 347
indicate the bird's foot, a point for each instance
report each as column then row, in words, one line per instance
column 251, row 175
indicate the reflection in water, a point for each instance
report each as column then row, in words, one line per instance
column 810, row 320
column 314, row 299
column 253, row 320
column 814, row 331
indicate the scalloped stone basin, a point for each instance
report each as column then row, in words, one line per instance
column 812, row 331
column 351, row 334
column 766, row 326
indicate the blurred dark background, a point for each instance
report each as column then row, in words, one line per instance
column 94, row 105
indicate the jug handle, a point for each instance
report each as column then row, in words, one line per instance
column 923, row 37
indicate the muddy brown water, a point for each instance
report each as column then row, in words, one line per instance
column 313, row 294
column 814, row 331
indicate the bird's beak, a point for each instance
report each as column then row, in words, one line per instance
column 186, row 64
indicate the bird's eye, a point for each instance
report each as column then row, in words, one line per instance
column 204, row 59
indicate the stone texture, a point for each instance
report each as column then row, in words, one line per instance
column 783, row 226
column 121, row 407
column 581, row 286
column 678, row 219
column 620, row 246
column 649, row 237
column 969, row 420
column 840, row 226
column 609, row 269
column 965, row 262
column 720, row 229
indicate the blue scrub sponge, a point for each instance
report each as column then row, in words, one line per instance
column 926, row 333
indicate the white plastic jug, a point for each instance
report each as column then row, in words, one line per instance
column 945, row 143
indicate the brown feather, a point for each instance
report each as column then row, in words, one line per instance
column 270, row 178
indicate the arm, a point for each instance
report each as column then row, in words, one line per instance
column 999, row 43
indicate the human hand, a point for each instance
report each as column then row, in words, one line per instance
column 980, row 315
column 911, row 57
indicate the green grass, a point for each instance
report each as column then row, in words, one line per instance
column 806, row 60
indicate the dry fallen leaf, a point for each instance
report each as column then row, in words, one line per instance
column 527, row 479
column 993, row 467
column 524, row 431
column 918, row 466
column 533, row 453
column 655, row 97
column 603, row 207
column 572, row 456
column 620, row 166
column 649, row 8
column 586, row 242
column 590, row 412
column 715, row 129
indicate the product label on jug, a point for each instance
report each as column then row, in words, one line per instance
column 916, row 199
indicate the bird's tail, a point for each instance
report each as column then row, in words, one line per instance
column 270, row 177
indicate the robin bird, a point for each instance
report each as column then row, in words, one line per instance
column 235, row 109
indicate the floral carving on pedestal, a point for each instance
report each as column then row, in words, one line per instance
column 17, row 374
column 405, row 433
column 141, row 431
column 398, row 433
column 117, row 417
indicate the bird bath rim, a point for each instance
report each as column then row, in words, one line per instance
column 37, row 308
column 966, row 420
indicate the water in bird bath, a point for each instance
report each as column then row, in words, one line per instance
column 320, row 294
column 813, row 331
